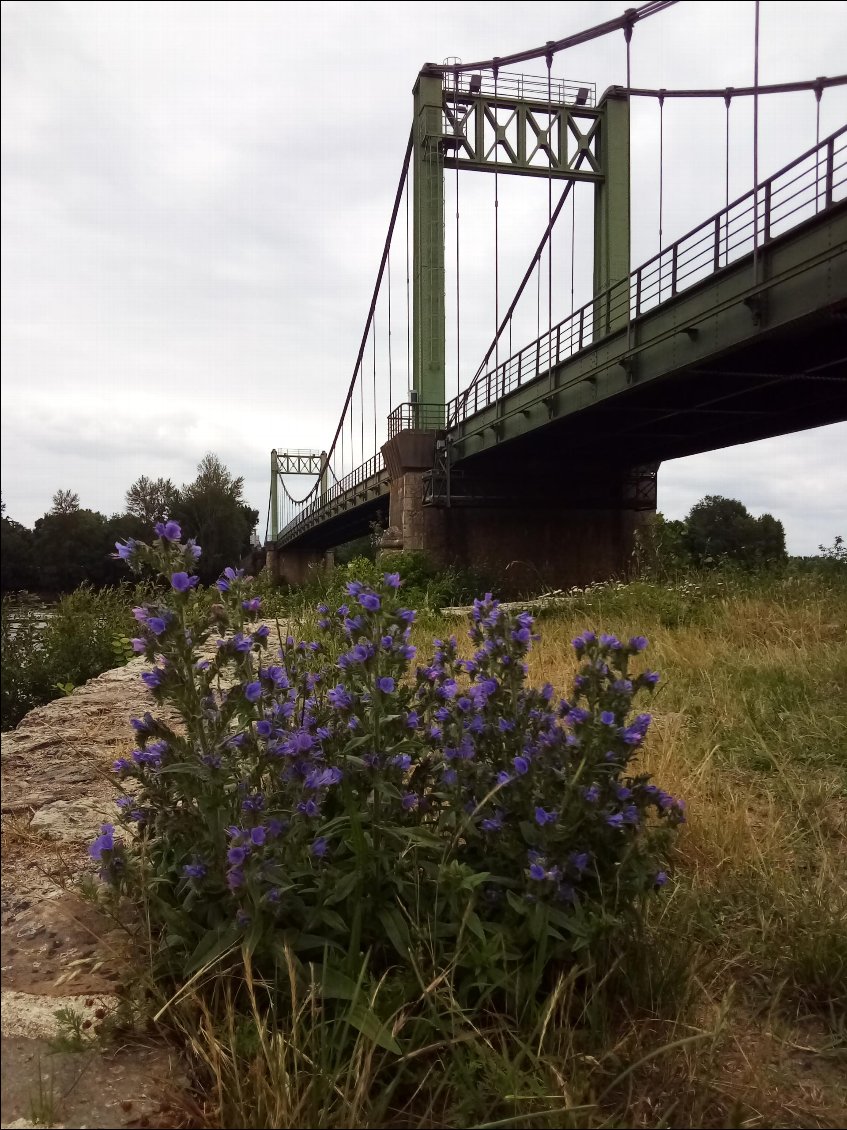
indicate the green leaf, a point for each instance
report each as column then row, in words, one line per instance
column 517, row 904
column 396, row 929
column 186, row 767
column 366, row 1021
column 475, row 925
column 355, row 743
column 212, row 945
column 335, row 985
column 569, row 922
column 334, row 920
column 311, row 942
column 342, row 889
column 470, row 882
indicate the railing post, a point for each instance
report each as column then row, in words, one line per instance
column 538, row 357
column 520, row 358
column 717, row 260
column 674, row 251
column 581, row 322
column 767, row 233
column 638, row 292
column 558, row 340
column 830, row 167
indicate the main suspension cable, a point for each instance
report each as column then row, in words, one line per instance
column 631, row 16
column 822, row 83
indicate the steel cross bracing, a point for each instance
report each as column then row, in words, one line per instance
column 801, row 196
column 300, row 462
column 517, row 129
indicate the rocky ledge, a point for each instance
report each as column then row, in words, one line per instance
column 59, row 952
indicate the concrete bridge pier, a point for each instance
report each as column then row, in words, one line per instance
column 514, row 523
column 294, row 565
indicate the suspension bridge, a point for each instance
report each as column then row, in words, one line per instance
column 546, row 459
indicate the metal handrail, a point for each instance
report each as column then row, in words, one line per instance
column 817, row 180
column 524, row 88
column 415, row 414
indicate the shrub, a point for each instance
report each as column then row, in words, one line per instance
column 85, row 633
column 352, row 809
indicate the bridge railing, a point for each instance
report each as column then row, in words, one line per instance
column 415, row 414
column 806, row 186
column 524, row 88
column 341, row 495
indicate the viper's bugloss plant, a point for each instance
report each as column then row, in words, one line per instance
column 338, row 798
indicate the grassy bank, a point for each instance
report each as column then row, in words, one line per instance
column 727, row 1009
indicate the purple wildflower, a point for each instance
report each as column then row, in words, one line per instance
column 170, row 531
column 181, row 582
column 104, row 842
column 543, row 817
column 125, row 552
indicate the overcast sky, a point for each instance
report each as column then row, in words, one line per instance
column 195, row 197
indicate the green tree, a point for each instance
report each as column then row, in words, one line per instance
column 72, row 546
column 721, row 529
column 152, row 500
column 212, row 510
column 17, row 563
column 65, row 502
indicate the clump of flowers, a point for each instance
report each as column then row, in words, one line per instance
column 349, row 798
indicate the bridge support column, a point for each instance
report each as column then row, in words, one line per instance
column 296, row 566
column 411, row 525
column 511, row 526
column 523, row 549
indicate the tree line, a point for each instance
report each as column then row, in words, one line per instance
column 719, row 531
column 70, row 544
